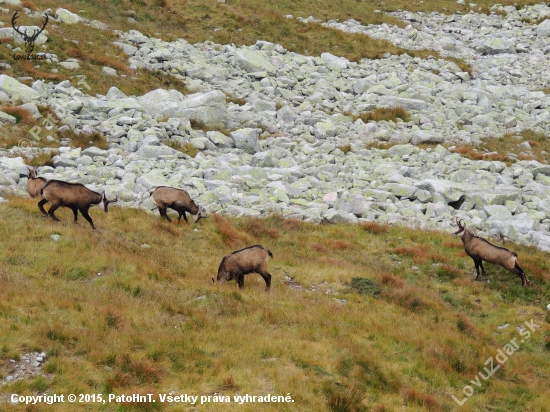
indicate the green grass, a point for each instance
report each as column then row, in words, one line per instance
column 117, row 317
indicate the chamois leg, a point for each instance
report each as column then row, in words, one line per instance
column 519, row 271
column 240, row 281
column 51, row 212
column 87, row 217
column 163, row 214
column 267, row 278
column 75, row 213
column 182, row 213
column 478, row 263
column 41, row 207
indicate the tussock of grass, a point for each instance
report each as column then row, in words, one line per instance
column 375, row 228
column 186, row 147
column 390, row 114
column 42, row 159
column 500, row 148
column 344, row 148
column 422, row 399
column 21, row 114
column 84, row 140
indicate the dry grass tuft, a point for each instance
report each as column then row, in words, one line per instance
column 21, row 114
column 422, row 399
column 141, row 370
column 453, row 244
column 420, row 254
column 409, row 298
column 392, row 281
column 42, row 159
column 375, row 228
column 29, row 5
column 186, row 147
column 259, row 228
column 230, row 235
column 344, row 399
column 389, row 114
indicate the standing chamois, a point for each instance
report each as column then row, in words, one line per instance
column 35, row 183
column 178, row 200
column 75, row 196
column 242, row 262
column 480, row 250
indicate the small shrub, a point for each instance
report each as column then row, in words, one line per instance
column 365, row 286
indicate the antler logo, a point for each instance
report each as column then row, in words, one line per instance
column 28, row 39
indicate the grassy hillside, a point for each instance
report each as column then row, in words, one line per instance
column 379, row 318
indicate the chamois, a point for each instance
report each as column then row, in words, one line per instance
column 75, row 196
column 35, row 183
column 243, row 262
column 178, row 200
column 481, row 250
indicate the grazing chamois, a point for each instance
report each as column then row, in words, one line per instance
column 75, row 196
column 35, row 183
column 178, row 200
column 242, row 262
column 480, row 250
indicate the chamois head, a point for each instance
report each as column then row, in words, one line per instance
column 104, row 204
column 461, row 227
column 200, row 215
column 32, row 172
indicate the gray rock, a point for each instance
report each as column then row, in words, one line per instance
column 253, row 61
column 543, row 29
column 16, row 90
column 450, row 191
column 426, row 136
column 247, row 139
column 220, row 140
column 6, row 118
column 67, row 17
column 154, row 152
column 95, row 151
column 109, row 71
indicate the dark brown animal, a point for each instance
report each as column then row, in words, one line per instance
column 75, row 196
column 178, row 200
column 242, row 262
column 480, row 250
column 35, row 183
